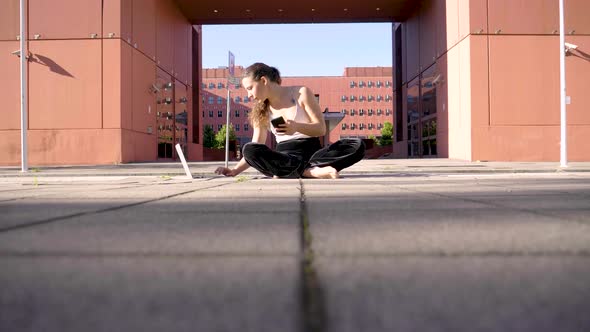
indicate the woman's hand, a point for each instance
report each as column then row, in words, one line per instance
column 225, row 171
column 289, row 128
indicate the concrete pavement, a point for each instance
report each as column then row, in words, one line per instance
column 394, row 245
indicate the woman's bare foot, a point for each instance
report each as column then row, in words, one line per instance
column 327, row 172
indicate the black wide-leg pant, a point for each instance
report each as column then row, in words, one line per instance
column 293, row 157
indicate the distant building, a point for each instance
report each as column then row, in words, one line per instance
column 364, row 95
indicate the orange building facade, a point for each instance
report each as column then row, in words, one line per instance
column 486, row 74
column 109, row 81
column 363, row 95
column 116, row 81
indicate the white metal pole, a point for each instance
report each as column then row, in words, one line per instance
column 227, row 129
column 563, row 122
column 23, row 86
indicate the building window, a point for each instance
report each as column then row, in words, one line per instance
column 343, row 98
column 237, row 113
column 237, row 85
column 361, row 98
column 237, row 99
column 352, row 98
column 379, row 98
column 219, row 114
column 361, row 84
column 211, row 99
column 237, row 127
column 344, row 126
column 388, row 112
column 370, row 112
column 203, row 86
column 387, row 98
column 210, row 114
column 352, row 126
column 370, row 98
column 371, row 126
column 379, row 126
column 220, row 85
column 379, row 111
column 343, row 111
column 246, row 127
column 387, row 84
column 361, row 126
column 369, row 84
column 219, row 127
column 246, row 99
column 219, row 100
column 361, row 112
column 352, row 112
column 211, row 85
column 352, row 84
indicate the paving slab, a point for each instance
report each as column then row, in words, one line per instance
column 455, row 294
column 350, row 218
column 54, row 293
column 23, row 208
column 241, row 218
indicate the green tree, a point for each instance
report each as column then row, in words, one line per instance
column 386, row 134
column 208, row 137
column 220, row 136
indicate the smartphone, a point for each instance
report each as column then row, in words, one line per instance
column 277, row 121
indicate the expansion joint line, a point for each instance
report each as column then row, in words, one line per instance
column 313, row 313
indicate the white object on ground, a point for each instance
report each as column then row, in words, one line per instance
column 184, row 164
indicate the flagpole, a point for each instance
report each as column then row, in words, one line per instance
column 227, row 128
column 563, row 122
column 23, row 86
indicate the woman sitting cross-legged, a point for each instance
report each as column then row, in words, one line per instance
column 299, row 152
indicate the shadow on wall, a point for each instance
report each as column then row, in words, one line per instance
column 53, row 67
column 578, row 54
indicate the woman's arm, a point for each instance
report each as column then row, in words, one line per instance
column 259, row 136
column 317, row 125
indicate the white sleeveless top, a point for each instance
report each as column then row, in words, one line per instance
column 299, row 117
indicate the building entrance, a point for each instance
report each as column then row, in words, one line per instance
column 422, row 115
column 171, row 116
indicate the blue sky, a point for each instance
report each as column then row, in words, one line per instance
column 300, row 49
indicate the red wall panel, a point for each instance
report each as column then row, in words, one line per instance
column 412, row 47
column 144, row 27
column 523, row 16
column 65, row 90
column 427, row 35
column 10, row 86
column 165, row 19
column 117, row 19
column 524, row 87
column 65, row 19
column 9, row 19
column 144, row 96
column 117, row 84
column 181, row 35
column 576, row 16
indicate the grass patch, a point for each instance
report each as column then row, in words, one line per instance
column 241, row 178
